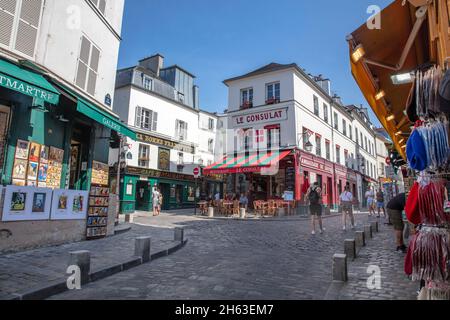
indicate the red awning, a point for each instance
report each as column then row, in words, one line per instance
column 252, row 163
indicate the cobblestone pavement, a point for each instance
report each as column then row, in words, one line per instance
column 20, row 272
column 229, row 259
column 394, row 283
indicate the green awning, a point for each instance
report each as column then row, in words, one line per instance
column 27, row 82
column 104, row 118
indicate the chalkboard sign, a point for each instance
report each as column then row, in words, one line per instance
column 290, row 179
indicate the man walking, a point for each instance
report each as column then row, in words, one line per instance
column 380, row 203
column 314, row 197
column 370, row 196
column 395, row 209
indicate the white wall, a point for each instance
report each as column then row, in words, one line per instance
column 60, row 40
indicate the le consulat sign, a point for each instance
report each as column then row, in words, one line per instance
column 165, row 143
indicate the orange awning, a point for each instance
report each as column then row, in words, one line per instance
column 383, row 49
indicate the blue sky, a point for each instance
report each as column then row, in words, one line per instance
column 216, row 39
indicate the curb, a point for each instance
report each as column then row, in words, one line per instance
column 122, row 229
column 59, row 286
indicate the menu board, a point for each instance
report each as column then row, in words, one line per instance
column 290, row 179
column 37, row 165
column 98, row 202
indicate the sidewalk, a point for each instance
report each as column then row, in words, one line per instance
column 379, row 251
column 24, row 271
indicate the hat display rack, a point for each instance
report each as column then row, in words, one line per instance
column 428, row 206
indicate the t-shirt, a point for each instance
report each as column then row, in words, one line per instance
column 156, row 196
column 370, row 195
column 217, row 197
column 398, row 203
column 380, row 197
column 346, row 196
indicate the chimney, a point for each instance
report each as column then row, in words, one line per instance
column 154, row 63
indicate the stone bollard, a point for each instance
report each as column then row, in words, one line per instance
column 243, row 213
column 350, row 248
column 340, row 268
column 179, row 234
column 360, row 239
column 82, row 259
column 368, row 232
column 375, row 227
column 211, row 212
column 142, row 248
column 129, row 218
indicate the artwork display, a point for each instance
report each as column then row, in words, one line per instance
column 19, row 183
column 33, row 168
column 44, row 155
column 22, row 149
column 20, row 169
column 69, row 205
column 100, row 173
column 35, row 152
column 43, row 170
column 56, row 155
column 98, row 202
column 26, row 203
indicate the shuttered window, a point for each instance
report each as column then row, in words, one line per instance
column 146, row 119
column 181, row 130
column 19, row 25
column 100, row 4
column 88, row 63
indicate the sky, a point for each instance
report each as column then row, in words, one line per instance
column 220, row 39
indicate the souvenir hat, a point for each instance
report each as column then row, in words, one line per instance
column 412, row 205
column 416, row 152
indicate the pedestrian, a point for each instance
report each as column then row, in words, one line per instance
column 380, row 203
column 314, row 197
column 370, row 196
column 156, row 197
column 347, row 208
column 395, row 209
column 243, row 201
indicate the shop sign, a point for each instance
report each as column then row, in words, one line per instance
column 313, row 164
column 261, row 117
column 164, row 159
column 158, row 174
column 165, row 143
column 111, row 124
column 27, row 89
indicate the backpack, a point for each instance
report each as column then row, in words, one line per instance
column 314, row 197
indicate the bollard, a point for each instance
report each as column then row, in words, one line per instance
column 142, row 248
column 242, row 213
column 375, row 227
column 211, row 212
column 360, row 239
column 340, row 268
column 368, row 232
column 82, row 259
column 179, row 234
column 350, row 248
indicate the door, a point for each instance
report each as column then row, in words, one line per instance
column 330, row 192
column 142, row 196
column 165, row 192
column 79, row 158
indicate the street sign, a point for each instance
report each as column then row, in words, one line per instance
column 197, row 173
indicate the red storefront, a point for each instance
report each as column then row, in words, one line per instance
column 317, row 170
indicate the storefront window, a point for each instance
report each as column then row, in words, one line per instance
column 273, row 136
column 4, row 126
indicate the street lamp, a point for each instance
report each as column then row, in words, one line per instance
column 308, row 146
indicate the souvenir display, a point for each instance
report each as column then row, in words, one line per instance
column 26, row 203
column 44, row 155
column 69, row 205
column 100, row 173
column 98, row 202
column 22, row 149
column 35, row 152
column 18, row 182
column 42, row 174
column 56, row 155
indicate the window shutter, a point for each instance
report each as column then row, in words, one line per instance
column 177, row 129
column 185, row 131
column 155, row 121
column 27, row 31
column 7, row 11
column 102, row 6
column 138, row 117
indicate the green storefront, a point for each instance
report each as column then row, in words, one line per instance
column 43, row 112
column 136, row 187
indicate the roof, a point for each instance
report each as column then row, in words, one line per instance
column 271, row 67
column 175, row 66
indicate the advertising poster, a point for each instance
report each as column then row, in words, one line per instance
column 35, row 152
column 69, row 205
column 26, row 204
column 20, row 169
column 44, row 154
column 22, row 149
column 33, row 168
column 42, row 175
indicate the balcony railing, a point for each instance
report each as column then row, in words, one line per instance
column 247, row 105
column 273, row 101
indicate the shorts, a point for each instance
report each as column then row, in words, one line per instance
column 315, row 210
column 347, row 207
column 370, row 202
column 396, row 218
column 380, row 205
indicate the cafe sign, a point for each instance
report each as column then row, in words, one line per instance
column 165, row 143
column 28, row 89
column 261, row 117
column 158, row 174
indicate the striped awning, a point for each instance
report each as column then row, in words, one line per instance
column 246, row 163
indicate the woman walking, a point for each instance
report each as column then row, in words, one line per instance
column 314, row 196
column 156, row 202
column 347, row 208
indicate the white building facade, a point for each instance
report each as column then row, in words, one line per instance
column 280, row 107
column 173, row 136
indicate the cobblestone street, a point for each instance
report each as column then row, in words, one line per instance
column 229, row 259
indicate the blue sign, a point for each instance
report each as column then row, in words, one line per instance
column 108, row 100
